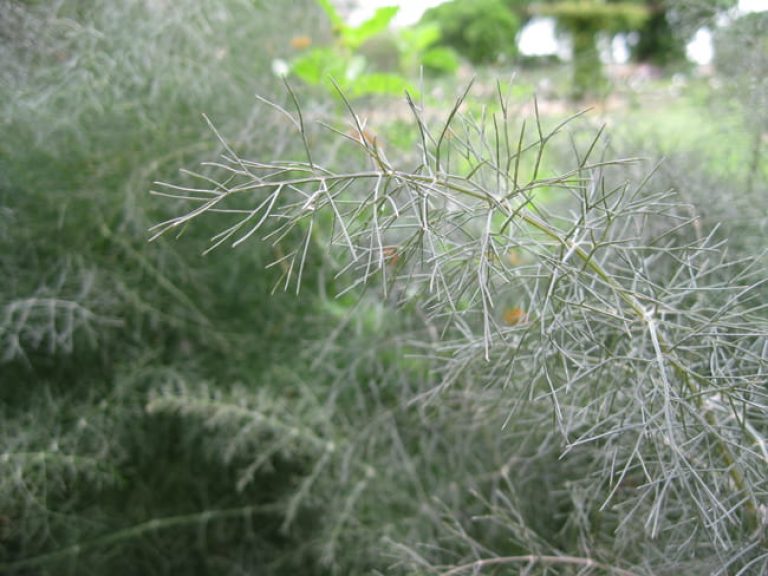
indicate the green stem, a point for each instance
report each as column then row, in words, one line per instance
column 135, row 532
column 530, row 559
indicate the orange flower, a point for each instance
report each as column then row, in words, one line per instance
column 514, row 316
column 301, row 42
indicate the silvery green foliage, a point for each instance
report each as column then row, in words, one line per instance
column 96, row 99
column 571, row 383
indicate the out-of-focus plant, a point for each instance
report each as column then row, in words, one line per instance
column 741, row 58
column 483, row 31
column 341, row 63
column 409, row 50
column 690, row 15
column 420, row 46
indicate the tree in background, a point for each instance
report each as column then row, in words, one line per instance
column 671, row 23
column 483, row 31
column 583, row 21
column 657, row 42
column 521, row 9
column 692, row 14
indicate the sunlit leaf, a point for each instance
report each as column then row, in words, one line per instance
column 332, row 13
column 315, row 65
column 354, row 37
column 440, row 59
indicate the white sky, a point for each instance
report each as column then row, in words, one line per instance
column 539, row 35
column 753, row 5
column 410, row 10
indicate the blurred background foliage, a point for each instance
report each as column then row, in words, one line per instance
column 483, row 31
column 163, row 412
column 100, row 99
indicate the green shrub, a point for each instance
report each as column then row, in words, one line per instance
column 567, row 386
column 502, row 382
column 482, row 31
column 98, row 99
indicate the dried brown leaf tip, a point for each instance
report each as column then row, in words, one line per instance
column 514, row 316
column 391, row 255
column 301, row 42
column 366, row 137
